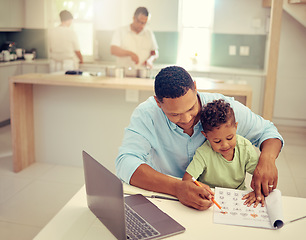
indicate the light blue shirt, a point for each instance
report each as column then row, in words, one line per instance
column 151, row 138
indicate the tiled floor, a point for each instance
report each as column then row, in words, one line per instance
column 29, row 199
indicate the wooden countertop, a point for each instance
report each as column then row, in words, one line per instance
column 203, row 84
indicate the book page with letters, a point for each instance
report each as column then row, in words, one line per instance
column 234, row 212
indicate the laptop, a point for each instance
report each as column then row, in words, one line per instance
column 130, row 217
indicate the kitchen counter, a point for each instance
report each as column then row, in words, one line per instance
column 57, row 101
column 20, row 62
column 86, row 80
column 191, row 68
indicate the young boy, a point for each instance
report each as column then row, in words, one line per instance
column 224, row 159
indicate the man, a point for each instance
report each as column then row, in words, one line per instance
column 165, row 132
column 64, row 47
column 134, row 45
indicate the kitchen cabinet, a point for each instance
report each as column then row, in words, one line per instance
column 36, row 13
column 11, row 15
column 42, row 68
column 25, row 68
column 35, row 68
column 5, row 73
column 11, row 69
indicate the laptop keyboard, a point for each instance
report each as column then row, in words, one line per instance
column 137, row 227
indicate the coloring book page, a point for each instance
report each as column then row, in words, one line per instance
column 234, row 212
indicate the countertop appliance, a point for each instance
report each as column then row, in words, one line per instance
column 8, row 51
column 8, row 45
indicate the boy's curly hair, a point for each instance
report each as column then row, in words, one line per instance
column 216, row 113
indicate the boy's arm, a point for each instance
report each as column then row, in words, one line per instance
column 250, row 198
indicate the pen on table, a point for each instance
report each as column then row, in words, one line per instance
column 153, row 196
column 212, row 199
column 295, row 219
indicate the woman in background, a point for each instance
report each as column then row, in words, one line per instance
column 64, row 47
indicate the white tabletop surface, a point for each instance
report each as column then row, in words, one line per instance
column 76, row 221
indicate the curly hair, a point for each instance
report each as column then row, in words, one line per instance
column 216, row 113
column 172, row 82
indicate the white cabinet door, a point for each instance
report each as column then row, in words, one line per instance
column 36, row 13
column 35, row 68
column 28, row 68
column 5, row 73
column 17, row 13
column 11, row 14
column 3, row 14
column 42, row 68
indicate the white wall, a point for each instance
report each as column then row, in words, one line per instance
column 290, row 96
column 111, row 14
column 238, row 16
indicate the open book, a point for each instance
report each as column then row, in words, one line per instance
column 234, row 212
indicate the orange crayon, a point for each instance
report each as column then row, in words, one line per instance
column 198, row 184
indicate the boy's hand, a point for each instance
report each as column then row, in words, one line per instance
column 251, row 198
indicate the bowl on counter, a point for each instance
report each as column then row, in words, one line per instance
column 144, row 73
column 29, row 56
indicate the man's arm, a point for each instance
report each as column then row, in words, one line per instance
column 265, row 173
column 261, row 133
column 120, row 52
column 186, row 191
column 79, row 55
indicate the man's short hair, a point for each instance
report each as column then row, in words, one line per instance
column 65, row 15
column 172, row 82
column 216, row 113
column 141, row 10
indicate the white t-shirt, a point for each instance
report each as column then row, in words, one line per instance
column 141, row 44
column 63, row 43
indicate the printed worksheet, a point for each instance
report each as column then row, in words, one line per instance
column 234, row 212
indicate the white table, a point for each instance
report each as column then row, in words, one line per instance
column 76, row 221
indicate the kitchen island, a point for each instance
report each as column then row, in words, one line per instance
column 56, row 116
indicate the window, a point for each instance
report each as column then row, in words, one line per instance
column 196, row 21
column 82, row 11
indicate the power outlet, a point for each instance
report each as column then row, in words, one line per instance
column 232, row 50
column 244, row 51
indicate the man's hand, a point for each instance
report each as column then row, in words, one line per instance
column 194, row 196
column 265, row 177
column 120, row 52
column 134, row 57
column 148, row 63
